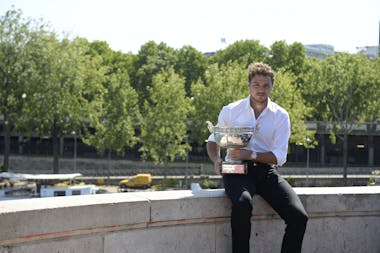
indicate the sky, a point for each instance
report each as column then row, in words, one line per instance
column 126, row 25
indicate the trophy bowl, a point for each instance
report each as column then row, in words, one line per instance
column 233, row 137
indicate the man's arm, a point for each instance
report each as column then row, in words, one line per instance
column 213, row 152
column 267, row 157
column 243, row 154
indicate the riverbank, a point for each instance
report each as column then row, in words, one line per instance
column 97, row 167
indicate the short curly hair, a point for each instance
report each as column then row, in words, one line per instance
column 259, row 68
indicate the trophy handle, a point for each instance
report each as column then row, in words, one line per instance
column 210, row 126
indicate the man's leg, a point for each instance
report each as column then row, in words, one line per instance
column 281, row 196
column 239, row 188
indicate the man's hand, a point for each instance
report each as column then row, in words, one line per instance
column 213, row 152
column 240, row 154
column 217, row 165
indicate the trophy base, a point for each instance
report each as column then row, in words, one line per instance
column 233, row 168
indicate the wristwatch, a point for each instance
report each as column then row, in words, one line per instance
column 253, row 155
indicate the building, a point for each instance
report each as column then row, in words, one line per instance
column 363, row 146
column 320, row 51
column 369, row 51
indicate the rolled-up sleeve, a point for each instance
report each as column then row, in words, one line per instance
column 281, row 139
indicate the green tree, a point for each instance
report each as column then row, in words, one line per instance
column 63, row 92
column 244, row 51
column 373, row 75
column 373, row 116
column 192, row 65
column 309, row 86
column 150, row 60
column 116, row 124
column 297, row 58
column 279, row 55
column 15, row 65
column 112, row 60
column 164, row 126
column 345, row 86
column 291, row 58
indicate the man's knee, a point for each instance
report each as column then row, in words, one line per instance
column 242, row 205
column 298, row 218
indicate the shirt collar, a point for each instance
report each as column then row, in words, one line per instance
column 270, row 104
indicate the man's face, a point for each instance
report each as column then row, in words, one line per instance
column 260, row 87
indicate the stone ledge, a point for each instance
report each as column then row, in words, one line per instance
column 31, row 221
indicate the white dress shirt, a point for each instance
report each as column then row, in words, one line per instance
column 272, row 127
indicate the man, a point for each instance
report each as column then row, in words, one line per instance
column 266, row 150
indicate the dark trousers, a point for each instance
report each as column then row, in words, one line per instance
column 264, row 180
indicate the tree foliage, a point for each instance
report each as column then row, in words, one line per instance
column 244, row 51
column 372, row 92
column 191, row 64
column 63, row 90
column 344, row 85
column 279, row 54
column 164, row 127
column 151, row 59
column 117, row 116
column 115, row 126
column 15, row 67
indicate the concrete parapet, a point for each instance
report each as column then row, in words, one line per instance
column 342, row 219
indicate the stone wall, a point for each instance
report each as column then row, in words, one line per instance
column 342, row 219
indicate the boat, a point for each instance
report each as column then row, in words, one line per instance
column 50, row 185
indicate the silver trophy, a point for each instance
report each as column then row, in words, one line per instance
column 232, row 137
